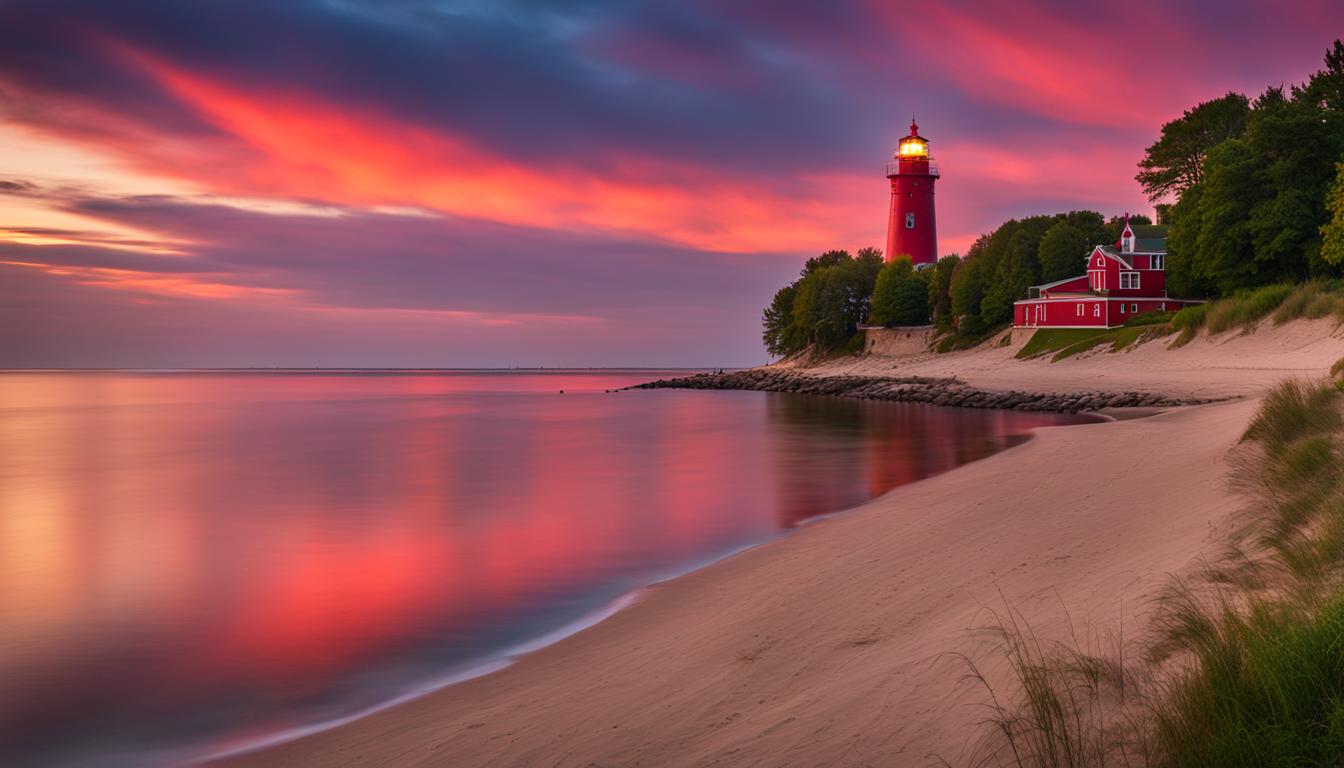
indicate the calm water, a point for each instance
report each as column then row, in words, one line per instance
column 192, row 561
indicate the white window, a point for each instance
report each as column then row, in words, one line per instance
column 1133, row 308
column 1129, row 280
column 1078, row 307
column 1122, row 309
column 1158, row 262
column 1096, row 310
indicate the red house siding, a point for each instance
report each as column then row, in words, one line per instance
column 1115, row 288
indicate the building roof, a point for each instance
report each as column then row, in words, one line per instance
column 1113, row 252
column 1150, row 237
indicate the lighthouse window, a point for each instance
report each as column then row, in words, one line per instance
column 909, row 221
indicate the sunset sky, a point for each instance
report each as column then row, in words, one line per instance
column 480, row 183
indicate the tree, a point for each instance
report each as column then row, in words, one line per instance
column 824, row 306
column 778, row 322
column 1175, row 162
column 871, row 256
column 968, row 292
column 1063, row 252
column 827, row 259
column 940, row 291
column 901, row 296
column 1332, row 232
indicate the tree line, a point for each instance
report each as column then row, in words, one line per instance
column 1258, row 186
column 962, row 297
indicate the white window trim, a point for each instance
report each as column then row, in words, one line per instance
column 1133, row 280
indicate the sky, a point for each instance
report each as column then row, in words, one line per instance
column 497, row 183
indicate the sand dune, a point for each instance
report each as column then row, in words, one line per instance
column 832, row 646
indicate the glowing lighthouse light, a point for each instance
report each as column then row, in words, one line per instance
column 913, row 146
column 911, row 227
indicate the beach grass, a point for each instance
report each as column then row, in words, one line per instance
column 1246, row 667
column 1187, row 323
column 1283, row 302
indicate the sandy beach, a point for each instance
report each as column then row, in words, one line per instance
column 836, row 644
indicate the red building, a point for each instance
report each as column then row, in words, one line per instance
column 1122, row 281
column 911, row 227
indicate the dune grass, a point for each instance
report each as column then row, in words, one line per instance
column 1187, row 323
column 1246, row 667
column 1283, row 302
column 1246, row 308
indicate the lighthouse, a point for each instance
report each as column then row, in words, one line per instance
column 911, row 229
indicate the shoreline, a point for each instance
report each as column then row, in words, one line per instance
column 506, row 658
column 838, row 643
column 472, row 717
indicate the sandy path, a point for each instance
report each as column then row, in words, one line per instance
column 828, row 647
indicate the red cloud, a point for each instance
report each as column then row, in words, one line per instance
column 298, row 145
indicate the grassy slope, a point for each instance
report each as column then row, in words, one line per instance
column 1065, row 342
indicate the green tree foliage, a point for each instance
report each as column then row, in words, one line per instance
column 870, row 256
column 901, row 296
column 778, row 321
column 824, row 306
column 1175, row 162
column 940, row 291
column 827, row 259
column 1011, row 259
column 1063, row 252
column 1332, row 232
column 1255, row 212
column 968, row 291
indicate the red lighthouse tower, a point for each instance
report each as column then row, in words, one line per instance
column 911, row 229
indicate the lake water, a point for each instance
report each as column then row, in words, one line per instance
column 190, row 562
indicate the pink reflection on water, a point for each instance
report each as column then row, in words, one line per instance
column 244, row 551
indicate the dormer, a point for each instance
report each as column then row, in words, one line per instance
column 1128, row 243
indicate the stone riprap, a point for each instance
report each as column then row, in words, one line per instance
column 917, row 389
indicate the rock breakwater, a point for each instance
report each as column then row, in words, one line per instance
column 917, row 389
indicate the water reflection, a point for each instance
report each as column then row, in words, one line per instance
column 190, row 560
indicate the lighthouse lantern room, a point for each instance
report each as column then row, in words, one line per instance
column 911, row 227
